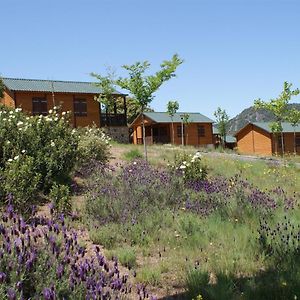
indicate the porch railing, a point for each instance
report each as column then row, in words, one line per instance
column 113, row 119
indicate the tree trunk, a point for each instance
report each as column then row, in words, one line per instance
column 295, row 150
column 282, row 143
column 144, row 136
column 173, row 138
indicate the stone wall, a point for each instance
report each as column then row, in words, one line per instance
column 118, row 133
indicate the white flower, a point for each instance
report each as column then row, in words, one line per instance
column 50, row 111
column 52, row 144
column 18, row 109
column 134, row 162
column 20, row 123
column 23, row 151
column 10, row 160
column 8, row 142
column 182, row 167
column 16, row 157
column 63, row 113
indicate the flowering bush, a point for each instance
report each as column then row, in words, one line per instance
column 93, row 146
column 44, row 260
column 21, row 181
column 191, row 167
column 35, row 152
column 137, row 190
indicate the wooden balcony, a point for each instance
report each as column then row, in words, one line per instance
column 113, row 120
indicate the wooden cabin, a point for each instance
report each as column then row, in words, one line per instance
column 158, row 129
column 37, row 97
column 257, row 138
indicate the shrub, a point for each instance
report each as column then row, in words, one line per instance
column 93, row 146
column 191, row 167
column 61, row 198
column 137, row 190
column 21, row 181
column 35, row 153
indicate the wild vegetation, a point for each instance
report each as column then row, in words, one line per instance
column 199, row 225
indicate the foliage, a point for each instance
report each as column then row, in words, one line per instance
column 294, row 117
column 279, row 107
column 107, row 86
column 1, row 88
column 93, row 145
column 142, row 87
column 126, row 256
column 20, row 182
column 172, row 108
column 126, row 197
column 133, row 155
column 191, row 167
column 222, row 120
column 41, row 151
column 30, row 250
column 61, row 198
column 48, row 140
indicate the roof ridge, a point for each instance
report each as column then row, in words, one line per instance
column 50, row 80
column 180, row 112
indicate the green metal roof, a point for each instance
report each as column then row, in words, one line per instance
column 163, row 117
column 287, row 127
column 38, row 85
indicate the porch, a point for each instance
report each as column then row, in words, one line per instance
column 155, row 134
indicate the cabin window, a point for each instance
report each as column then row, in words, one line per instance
column 201, row 131
column 80, row 107
column 39, row 106
column 179, row 129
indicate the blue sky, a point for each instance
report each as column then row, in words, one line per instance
column 233, row 51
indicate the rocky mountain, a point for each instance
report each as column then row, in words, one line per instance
column 252, row 115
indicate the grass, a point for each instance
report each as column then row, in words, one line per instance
column 217, row 257
column 126, row 256
column 132, row 154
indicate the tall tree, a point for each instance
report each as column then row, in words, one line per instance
column 1, row 88
column 294, row 119
column 279, row 107
column 222, row 120
column 142, row 87
column 172, row 108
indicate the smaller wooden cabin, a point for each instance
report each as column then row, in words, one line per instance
column 158, row 129
column 257, row 138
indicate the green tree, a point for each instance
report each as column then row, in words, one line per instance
column 133, row 108
column 107, row 86
column 294, row 119
column 1, row 88
column 142, row 87
column 185, row 118
column 222, row 120
column 279, row 107
column 172, row 108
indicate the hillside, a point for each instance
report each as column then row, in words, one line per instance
column 252, row 115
